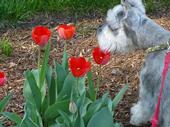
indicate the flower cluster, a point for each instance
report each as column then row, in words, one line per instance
column 79, row 66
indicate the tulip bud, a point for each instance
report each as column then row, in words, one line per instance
column 72, row 107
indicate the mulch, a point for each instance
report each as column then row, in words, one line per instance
column 126, row 67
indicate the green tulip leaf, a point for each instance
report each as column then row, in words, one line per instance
column 4, row 101
column 1, row 124
column 65, row 59
column 69, row 83
column 103, row 118
column 119, row 96
column 91, row 90
column 34, row 89
column 66, row 118
column 49, row 76
column 44, row 67
column 61, row 76
column 13, row 117
column 79, row 122
column 53, row 111
column 52, row 91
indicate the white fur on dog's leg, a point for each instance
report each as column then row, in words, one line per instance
column 139, row 114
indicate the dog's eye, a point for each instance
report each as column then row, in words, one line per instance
column 132, row 5
column 144, row 21
column 121, row 14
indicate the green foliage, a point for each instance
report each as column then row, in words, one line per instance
column 6, row 46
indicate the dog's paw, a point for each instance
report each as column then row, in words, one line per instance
column 138, row 116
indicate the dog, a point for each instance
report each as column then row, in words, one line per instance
column 128, row 28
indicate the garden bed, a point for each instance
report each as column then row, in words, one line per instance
column 126, row 67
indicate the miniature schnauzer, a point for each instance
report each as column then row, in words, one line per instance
column 128, row 28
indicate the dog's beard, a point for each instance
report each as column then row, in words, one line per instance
column 114, row 40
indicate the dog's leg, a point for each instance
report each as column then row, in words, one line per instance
column 165, row 115
column 166, row 121
column 143, row 110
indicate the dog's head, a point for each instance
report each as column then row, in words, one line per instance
column 119, row 33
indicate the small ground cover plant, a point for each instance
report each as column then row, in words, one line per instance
column 6, row 46
column 64, row 94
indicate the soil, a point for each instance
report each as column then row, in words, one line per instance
column 126, row 66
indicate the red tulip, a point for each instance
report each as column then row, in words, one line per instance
column 2, row 78
column 66, row 31
column 79, row 66
column 41, row 35
column 101, row 57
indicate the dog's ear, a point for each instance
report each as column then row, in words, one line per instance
column 133, row 4
column 117, row 14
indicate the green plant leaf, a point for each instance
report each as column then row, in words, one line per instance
column 49, row 75
column 36, row 73
column 61, row 76
column 28, row 123
column 81, row 85
column 103, row 118
column 79, row 122
column 69, row 82
column 27, row 91
column 55, row 125
column 44, row 67
column 93, row 108
column 83, row 109
column 13, row 117
column 34, row 89
column 82, row 104
column 116, row 125
column 119, row 96
column 4, row 101
column 65, row 59
column 91, row 90
column 44, row 105
column 52, row 111
column 31, row 114
column 66, row 118
column 1, row 125
column 52, row 91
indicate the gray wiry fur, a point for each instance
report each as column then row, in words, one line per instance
column 127, row 28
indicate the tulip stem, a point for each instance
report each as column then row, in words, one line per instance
column 39, row 56
column 77, row 87
column 65, row 45
column 99, row 78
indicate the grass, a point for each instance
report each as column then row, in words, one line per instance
column 153, row 5
column 17, row 10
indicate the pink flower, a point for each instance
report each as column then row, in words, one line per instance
column 2, row 78
column 66, row 31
